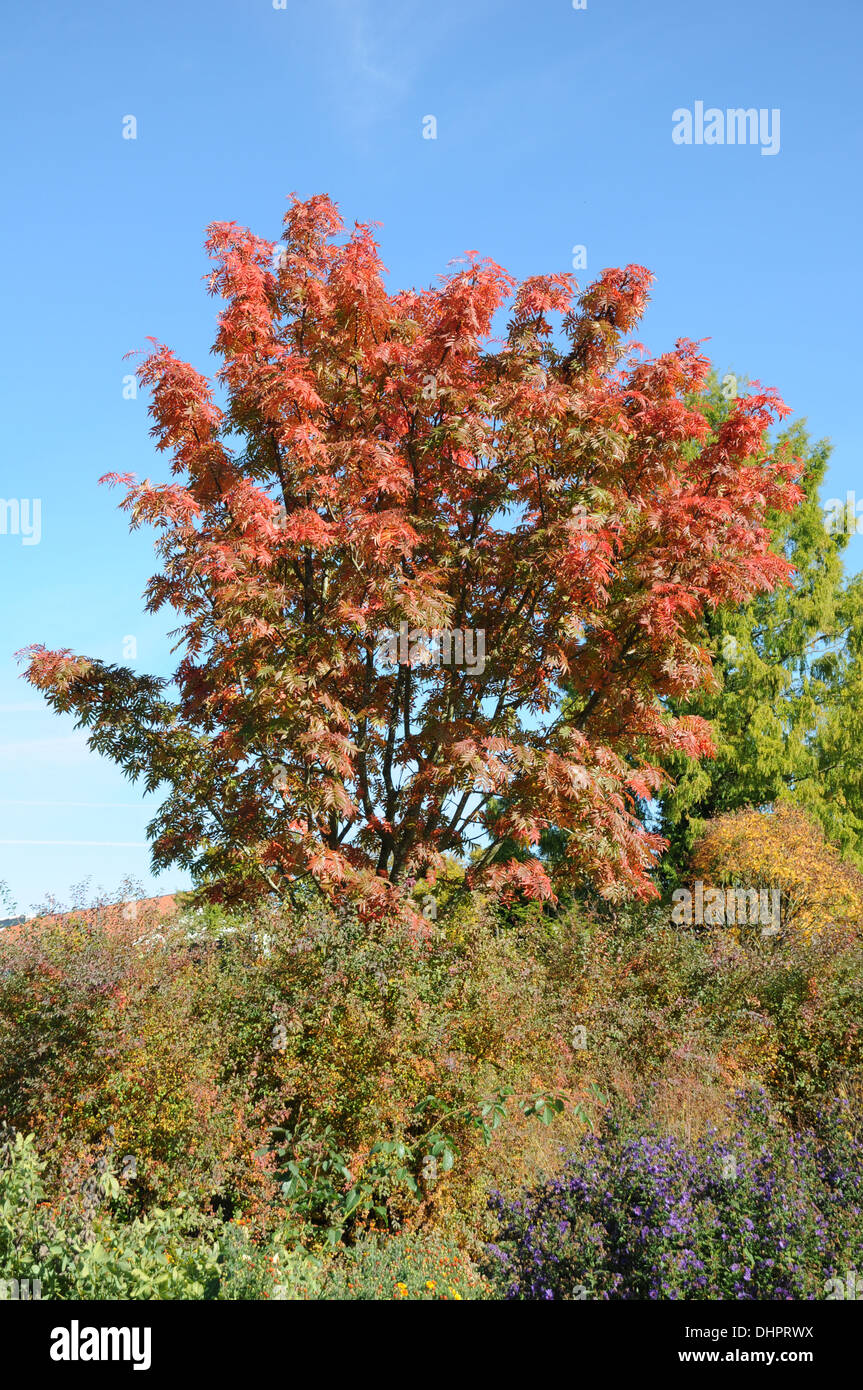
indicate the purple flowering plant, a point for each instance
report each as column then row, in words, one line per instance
column 761, row 1212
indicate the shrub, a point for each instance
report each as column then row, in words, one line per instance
column 401, row 1054
column 786, row 850
column 164, row 1256
column 108, row 1041
column 288, row 1081
column 307, row 1066
column 764, row 1214
column 405, row 1266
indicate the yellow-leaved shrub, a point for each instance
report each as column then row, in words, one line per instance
column 783, row 849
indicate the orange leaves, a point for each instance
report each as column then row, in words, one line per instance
column 165, row 504
column 328, row 749
column 243, row 275
column 540, row 295
column 465, row 306
column 620, row 296
column 311, row 223
column 305, row 527
column 388, row 533
column 356, row 279
column 55, row 671
column 529, row 876
column 115, row 479
column 329, row 867
column 182, row 403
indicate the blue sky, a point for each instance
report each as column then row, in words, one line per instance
column 554, row 129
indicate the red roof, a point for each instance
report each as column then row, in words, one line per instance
column 109, row 914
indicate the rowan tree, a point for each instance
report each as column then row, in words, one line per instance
column 381, row 458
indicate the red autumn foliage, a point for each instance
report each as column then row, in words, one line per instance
column 381, row 459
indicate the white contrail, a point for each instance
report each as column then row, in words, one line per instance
column 91, row 844
column 112, row 805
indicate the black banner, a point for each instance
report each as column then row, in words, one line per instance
column 85, row 1340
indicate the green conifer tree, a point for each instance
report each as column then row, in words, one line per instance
column 787, row 710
